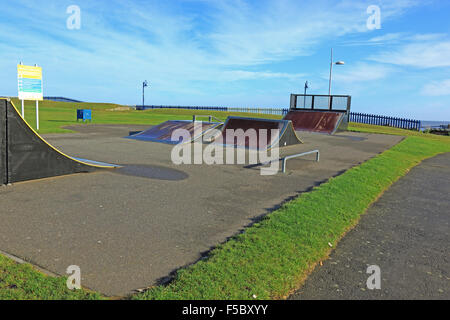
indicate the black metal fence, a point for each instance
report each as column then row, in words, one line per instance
column 62, row 99
column 385, row 121
column 317, row 102
column 272, row 111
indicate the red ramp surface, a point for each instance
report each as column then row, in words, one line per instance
column 252, row 127
column 163, row 132
column 317, row 121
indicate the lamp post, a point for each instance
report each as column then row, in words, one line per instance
column 304, row 97
column 144, row 85
column 338, row 63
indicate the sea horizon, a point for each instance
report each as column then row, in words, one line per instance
column 434, row 124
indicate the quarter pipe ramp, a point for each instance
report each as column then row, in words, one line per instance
column 259, row 134
column 24, row 155
column 318, row 121
column 163, row 132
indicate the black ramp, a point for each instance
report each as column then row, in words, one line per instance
column 3, row 160
column 30, row 157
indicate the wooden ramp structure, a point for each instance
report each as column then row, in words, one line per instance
column 163, row 132
column 257, row 134
column 319, row 113
column 24, row 155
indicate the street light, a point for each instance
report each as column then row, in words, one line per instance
column 144, row 85
column 304, row 97
column 338, row 63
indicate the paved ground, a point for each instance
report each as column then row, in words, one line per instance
column 130, row 228
column 406, row 233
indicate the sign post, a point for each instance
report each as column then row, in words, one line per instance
column 30, row 87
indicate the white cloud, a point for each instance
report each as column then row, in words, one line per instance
column 419, row 55
column 361, row 72
column 252, row 75
column 122, row 43
column 389, row 37
column 428, row 36
column 437, row 88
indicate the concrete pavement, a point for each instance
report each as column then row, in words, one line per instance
column 406, row 233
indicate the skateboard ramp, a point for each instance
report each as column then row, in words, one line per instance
column 318, row 121
column 251, row 127
column 24, row 155
column 163, row 132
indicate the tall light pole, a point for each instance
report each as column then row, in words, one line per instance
column 339, row 63
column 144, row 85
column 304, row 97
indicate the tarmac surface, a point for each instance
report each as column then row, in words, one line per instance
column 406, row 233
column 130, row 228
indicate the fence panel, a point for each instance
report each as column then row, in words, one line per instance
column 385, row 121
column 271, row 111
column 354, row 116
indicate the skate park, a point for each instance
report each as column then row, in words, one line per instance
column 130, row 227
column 222, row 158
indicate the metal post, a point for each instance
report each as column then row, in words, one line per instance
column 37, row 111
column 37, row 115
column 144, row 84
column 23, row 102
column 304, row 97
column 331, row 71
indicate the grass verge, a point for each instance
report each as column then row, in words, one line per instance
column 23, row 282
column 55, row 115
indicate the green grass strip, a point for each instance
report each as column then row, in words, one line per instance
column 272, row 258
column 54, row 115
column 23, row 282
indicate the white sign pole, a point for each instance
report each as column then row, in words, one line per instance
column 37, row 115
column 23, row 103
column 37, row 111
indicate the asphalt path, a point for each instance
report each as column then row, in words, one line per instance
column 406, row 234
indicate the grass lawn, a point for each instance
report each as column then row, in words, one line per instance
column 54, row 115
column 23, row 282
column 272, row 258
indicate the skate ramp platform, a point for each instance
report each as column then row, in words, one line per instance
column 318, row 121
column 163, row 132
column 246, row 127
column 327, row 114
column 24, row 155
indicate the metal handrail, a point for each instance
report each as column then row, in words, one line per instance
column 204, row 116
column 285, row 159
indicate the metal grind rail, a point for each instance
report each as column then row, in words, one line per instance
column 211, row 118
column 293, row 156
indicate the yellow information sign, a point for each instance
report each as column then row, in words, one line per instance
column 30, row 83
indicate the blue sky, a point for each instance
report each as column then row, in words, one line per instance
column 235, row 52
